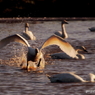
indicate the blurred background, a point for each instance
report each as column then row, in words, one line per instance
column 46, row 8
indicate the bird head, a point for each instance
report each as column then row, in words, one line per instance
column 81, row 48
column 27, row 25
column 39, row 58
column 31, row 66
column 48, row 76
column 38, row 54
column 64, row 22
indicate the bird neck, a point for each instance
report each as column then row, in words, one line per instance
column 64, row 34
column 26, row 29
column 78, row 50
column 48, row 76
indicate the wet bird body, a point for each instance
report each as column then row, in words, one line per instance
column 69, row 77
column 34, row 55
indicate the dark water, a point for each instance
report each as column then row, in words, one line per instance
column 14, row 81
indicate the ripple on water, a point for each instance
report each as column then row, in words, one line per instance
column 14, row 81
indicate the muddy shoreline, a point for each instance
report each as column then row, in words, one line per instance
column 20, row 19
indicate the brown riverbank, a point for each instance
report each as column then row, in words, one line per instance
column 21, row 19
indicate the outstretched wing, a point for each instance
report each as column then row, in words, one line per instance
column 64, row 46
column 13, row 38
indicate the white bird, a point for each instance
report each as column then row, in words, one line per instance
column 69, row 77
column 28, row 35
column 62, row 55
column 68, row 50
column 62, row 33
column 34, row 55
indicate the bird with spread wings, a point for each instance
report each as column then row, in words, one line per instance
column 67, row 48
column 34, row 57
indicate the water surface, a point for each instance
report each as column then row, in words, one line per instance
column 14, row 81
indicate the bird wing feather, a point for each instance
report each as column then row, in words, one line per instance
column 64, row 46
column 13, row 38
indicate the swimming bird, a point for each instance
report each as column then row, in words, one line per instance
column 62, row 55
column 28, row 35
column 68, row 50
column 69, row 77
column 33, row 55
column 62, row 33
column 92, row 29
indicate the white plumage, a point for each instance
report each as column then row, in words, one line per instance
column 62, row 33
column 34, row 55
column 69, row 51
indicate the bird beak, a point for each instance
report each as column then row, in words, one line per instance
column 48, row 76
column 85, row 50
